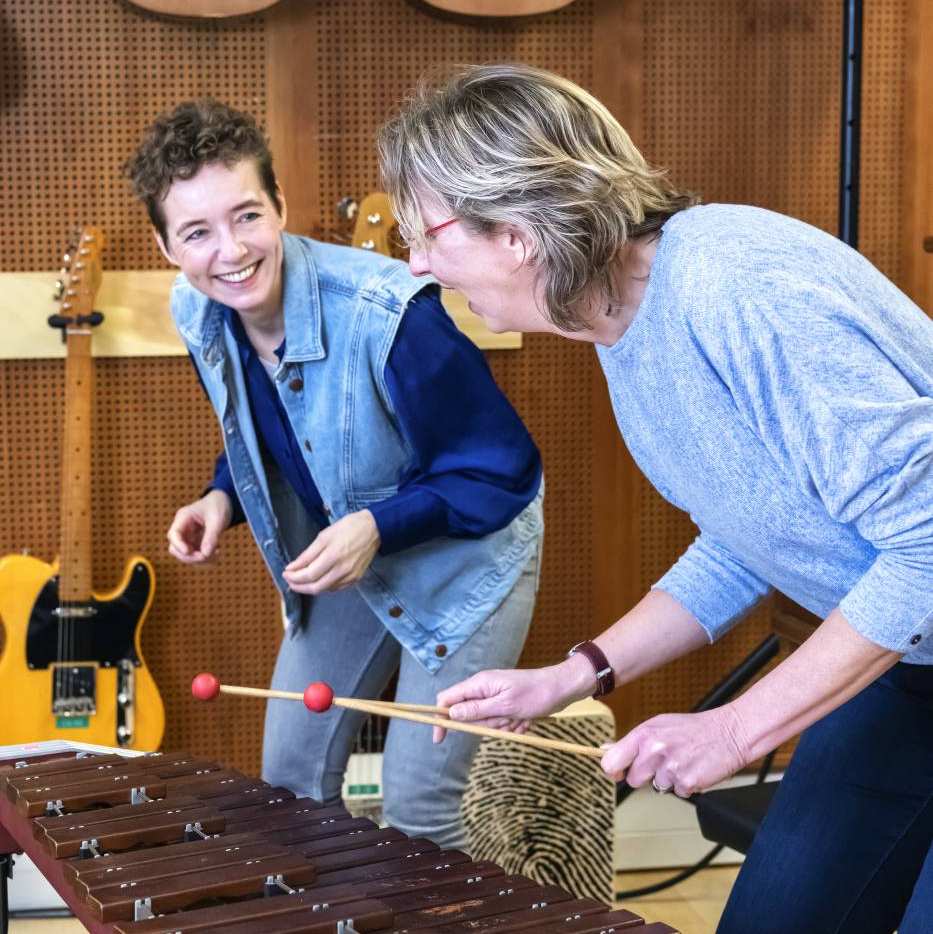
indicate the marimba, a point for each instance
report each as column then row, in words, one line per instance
column 171, row 843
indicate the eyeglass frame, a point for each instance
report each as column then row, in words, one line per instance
column 428, row 231
column 431, row 231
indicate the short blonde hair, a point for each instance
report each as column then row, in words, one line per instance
column 512, row 144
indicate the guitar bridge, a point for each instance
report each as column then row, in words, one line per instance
column 74, row 690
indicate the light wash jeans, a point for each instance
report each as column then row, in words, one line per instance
column 344, row 644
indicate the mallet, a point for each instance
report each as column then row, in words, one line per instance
column 319, row 697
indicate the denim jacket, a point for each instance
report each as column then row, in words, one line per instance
column 342, row 310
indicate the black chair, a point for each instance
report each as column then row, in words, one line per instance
column 732, row 816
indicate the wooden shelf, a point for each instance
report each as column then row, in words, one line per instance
column 138, row 323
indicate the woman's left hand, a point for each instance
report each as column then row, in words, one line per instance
column 683, row 753
column 338, row 556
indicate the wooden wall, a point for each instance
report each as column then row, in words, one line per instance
column 739, row 98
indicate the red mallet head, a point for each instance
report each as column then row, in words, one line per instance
column 319, row 696
column 205, row 686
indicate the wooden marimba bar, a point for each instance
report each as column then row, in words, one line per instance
column 170, row 843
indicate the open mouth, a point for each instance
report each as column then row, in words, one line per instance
column 241, row 275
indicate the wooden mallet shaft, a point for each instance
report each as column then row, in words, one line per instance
column 294, row 695
column 388, row 709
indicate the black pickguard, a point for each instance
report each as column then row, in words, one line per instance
column 106, row 637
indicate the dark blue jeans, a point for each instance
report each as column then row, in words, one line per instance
column 846, row 846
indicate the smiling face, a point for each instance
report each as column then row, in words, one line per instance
column 224, row 233
column 491, row 270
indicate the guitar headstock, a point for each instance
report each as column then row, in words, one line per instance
column 374, row 223
column 80, row 279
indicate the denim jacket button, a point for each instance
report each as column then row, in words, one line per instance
column 440, row 650
column 296, row 384
column 308, row 446
column 915, row 639
column 395, row 612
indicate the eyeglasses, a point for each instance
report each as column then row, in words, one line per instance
column 431, row 231
column 407, row 243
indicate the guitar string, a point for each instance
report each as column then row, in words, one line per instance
column 69, row 555
column 65, row 568
column 63, row 523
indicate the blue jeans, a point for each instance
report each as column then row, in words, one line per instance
column 846, row 845
column 344, row 644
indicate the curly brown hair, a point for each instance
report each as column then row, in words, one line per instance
column 180, row 142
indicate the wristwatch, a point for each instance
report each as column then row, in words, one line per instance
column 605, row 678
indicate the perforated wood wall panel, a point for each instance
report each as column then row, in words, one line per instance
column 81, row 79
column 884, row 121
column 739, row 98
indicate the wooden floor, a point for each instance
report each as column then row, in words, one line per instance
column 693, row 906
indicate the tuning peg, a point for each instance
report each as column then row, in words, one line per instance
column 66, row 258
column 368, row 245
column 347, row 208
column 84, row 251
column 374, row 219
column 59, row 290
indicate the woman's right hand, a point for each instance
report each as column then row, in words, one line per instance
column 510, row 699
column 195, row 530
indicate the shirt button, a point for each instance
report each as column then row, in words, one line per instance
column 440, row 650
column 308, row 446
column 395, row 612
column 296, row 384
column 915, row 639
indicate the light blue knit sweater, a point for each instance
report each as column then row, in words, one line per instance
column 779, row 388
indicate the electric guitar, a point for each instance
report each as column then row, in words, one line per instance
column 71, row 666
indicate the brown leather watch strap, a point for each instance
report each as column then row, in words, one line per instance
column 605, row 677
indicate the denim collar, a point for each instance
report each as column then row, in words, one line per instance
column 301, row 302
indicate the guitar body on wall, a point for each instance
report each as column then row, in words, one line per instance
column 72, row 667
column 83, row 677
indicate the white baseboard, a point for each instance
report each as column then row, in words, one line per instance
column 655, row 831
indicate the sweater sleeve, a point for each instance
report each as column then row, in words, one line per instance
column 713, row 585
column 838, row 402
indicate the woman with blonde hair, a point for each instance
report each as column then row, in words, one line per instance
column 771, row 382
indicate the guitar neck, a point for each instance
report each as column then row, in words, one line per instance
column 75, row 559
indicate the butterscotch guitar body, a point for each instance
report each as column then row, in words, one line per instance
column 75, row 671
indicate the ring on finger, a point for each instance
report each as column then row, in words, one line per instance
column 658, row 788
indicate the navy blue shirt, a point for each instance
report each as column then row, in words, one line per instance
column 475, row 468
